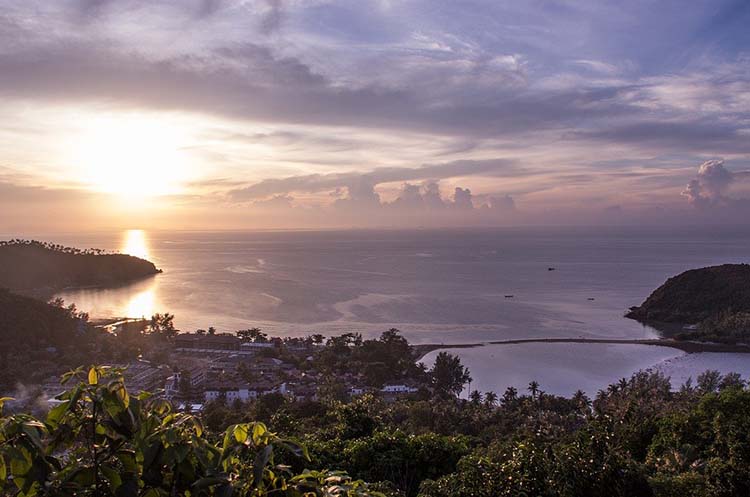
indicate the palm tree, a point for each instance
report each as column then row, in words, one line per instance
column 490, row 399
column 475, row 397
column 534, row 389
column 510, row 395
column 580, row 399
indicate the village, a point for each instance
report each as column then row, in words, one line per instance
column 205, row 366
column 226, row 367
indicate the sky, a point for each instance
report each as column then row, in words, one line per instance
column 280, row 114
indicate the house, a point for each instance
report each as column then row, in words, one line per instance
column 144, row 376
column 304, row 393
column 355, row 391
column 255, row 346
column 230, row 393
column 398, row 389
column 197, row 374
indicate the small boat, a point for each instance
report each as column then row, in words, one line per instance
column 551, row 269
column 590, row 298
column 509, row 296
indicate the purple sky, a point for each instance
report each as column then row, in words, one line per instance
column 299, row 114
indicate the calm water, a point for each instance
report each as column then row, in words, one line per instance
column 436, row 286
column 560, row 369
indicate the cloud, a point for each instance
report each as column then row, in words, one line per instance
column 427, row 197
column 686, row 135
column 437, row 80
column 711, row 185
column 501, row 204
column 363, row 184
column 275, row 202
column 208, row 8
column 273, row 17
column 462, row 198
column 316, row 95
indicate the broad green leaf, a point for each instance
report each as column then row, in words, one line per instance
column 112, row 476
column 240, row 433
column 93, row 377
column 56, row 413
column 123, row 394
column 259, row 429
column 209, row 481
column 260, row 464
column 198, row 426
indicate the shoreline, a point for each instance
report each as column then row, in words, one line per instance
column 688, row 347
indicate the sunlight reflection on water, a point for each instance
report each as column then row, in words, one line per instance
column 135, row 243
column 141, row 305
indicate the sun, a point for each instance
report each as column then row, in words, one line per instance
column 131, row 155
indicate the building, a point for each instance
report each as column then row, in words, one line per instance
column 230, row 393
column 143, row 376
column 196, row 373
column 398, row 389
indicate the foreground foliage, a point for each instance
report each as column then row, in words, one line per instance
column 636, row 438
column 100, row 441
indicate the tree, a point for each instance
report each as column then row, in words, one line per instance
column 448, row 375
column 186, row 385
column 252, row 335
column 101, row 442
column 490, row 399
column 510, row 395
column 211, row 330
column 709, row 381
column 475, row 397
column 163, row 324
column 534, row 389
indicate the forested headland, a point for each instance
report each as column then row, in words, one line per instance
column 40, row 269
column 711, row 304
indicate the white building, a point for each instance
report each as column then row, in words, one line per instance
column 398, row 389
column 230, row 394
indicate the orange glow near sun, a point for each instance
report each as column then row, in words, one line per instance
column 131, row 155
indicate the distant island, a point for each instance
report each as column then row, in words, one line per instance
column 711, row 303
column 40, row 269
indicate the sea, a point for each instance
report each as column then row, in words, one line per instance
column 450, row 286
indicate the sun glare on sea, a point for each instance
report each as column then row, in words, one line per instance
column 132, row 156
column 141, row 305
column 135, row 243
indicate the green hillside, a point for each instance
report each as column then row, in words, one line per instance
column 698, row 294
